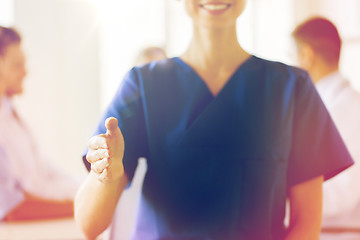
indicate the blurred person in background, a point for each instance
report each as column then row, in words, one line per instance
column 31, row 187
column 228, row 137
column 150, row 54
column 319, row 47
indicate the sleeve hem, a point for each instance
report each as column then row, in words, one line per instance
column 327, row 175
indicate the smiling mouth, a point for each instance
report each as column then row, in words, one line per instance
column 215, row 6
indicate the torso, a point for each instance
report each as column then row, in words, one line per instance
column 218, row 164
column 200, row 134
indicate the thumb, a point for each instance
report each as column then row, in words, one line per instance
column 112, row 128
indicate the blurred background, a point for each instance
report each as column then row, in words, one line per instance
column 79, row 50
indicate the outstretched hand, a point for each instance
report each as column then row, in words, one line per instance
column 106, row 153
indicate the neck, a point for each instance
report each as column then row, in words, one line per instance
column 321, row 71
column 213, row 49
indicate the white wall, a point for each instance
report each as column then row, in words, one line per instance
column 273, row 22
column 6, row 13
column 61, row 102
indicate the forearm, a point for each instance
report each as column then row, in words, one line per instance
column 33, row 208
column 95, row 204
column 305, row 210
column 303, row 230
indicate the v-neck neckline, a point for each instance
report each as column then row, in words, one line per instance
column 192, row 71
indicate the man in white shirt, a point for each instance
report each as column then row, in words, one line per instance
column 319, row 46
column 31, row 187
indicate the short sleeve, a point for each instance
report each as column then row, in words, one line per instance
column 317, row 148
column 11, row 193
column 127, row 107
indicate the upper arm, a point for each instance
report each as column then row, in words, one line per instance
column 317, row 147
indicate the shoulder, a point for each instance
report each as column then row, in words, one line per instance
column 285, row 75
column 341, row 88
column 283, row 70
column 158, row 76
column 139, row 76
column 350, row 92
column 155, row 68
column 348, row 102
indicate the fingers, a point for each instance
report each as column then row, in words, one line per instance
column 99, row 166
column 105, row 176
column 98, row 149
column 95, row 155
column 112, row 127
column 106, row 152
column 98, row 141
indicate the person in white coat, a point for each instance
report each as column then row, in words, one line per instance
column 319, row 46
column 31, row 186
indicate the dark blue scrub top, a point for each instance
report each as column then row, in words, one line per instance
column 220, row 167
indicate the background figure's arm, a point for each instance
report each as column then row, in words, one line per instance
column 96, row 200
column 34, row 208
column 11, row 192
column 10, row 197
column 305, row 210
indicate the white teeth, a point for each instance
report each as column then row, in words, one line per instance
column 214, row 7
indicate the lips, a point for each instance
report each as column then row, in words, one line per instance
column 215, row 6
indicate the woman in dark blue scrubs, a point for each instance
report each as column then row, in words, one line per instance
column 228, row 138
